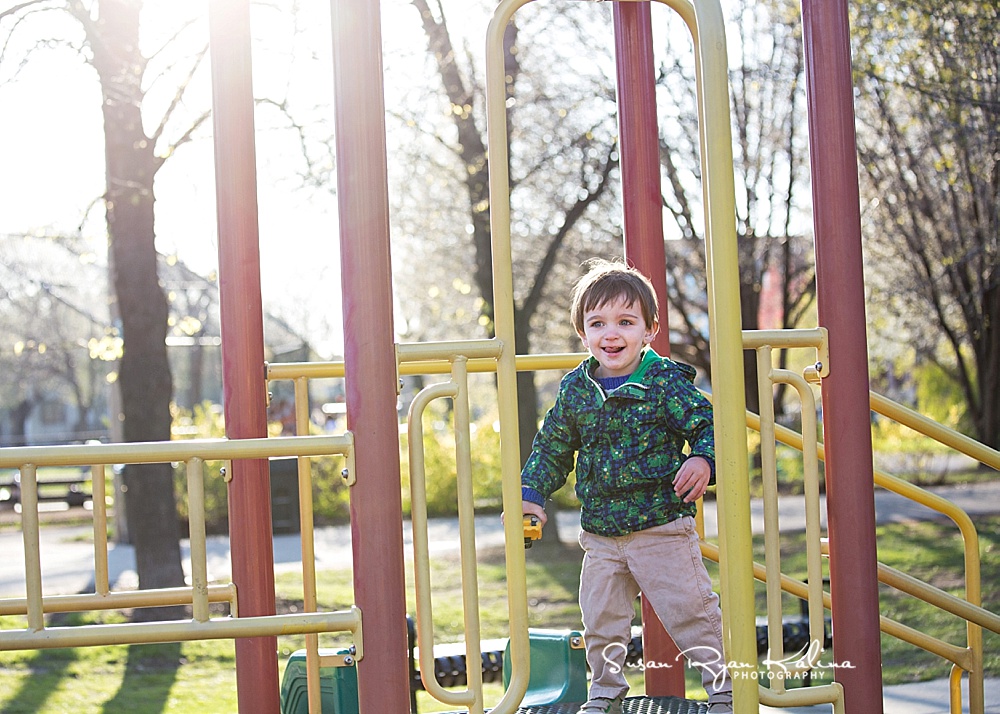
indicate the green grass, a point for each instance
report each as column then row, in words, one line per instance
column 200, row 676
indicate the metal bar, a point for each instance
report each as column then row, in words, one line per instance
column 928, row 427
column 334, row 370
column 810, row 470
column 196, row 531
column 121, row 600
column 307, row 538
column 161, row 451
column 955, row 689
column 503, row 305
column 939, row 598
column 32, row 549
column 99, row 501
column 445, row 351
column 772, row 532
column 467, row 535
column 815, row 337
column 182, row 630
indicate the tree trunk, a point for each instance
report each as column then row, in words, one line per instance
column 144, row 376
column 988, row 369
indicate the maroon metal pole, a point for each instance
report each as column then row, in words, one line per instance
column 244, row 391
column 643, row 217
column 369, row 355
column 841, row 303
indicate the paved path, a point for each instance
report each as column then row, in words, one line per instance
column 67, row 566
column 68, row 560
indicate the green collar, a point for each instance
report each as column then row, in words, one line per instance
column 649, row 357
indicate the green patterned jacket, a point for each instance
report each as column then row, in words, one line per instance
column 628, row 445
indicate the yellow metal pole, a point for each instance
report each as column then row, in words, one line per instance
column 196, row 525
column 129, row 633
column 918, row 422
column 99, row 500
column 467, row 537
column 503, row 305
column 810, row 471
column 32, row 551
column 159, row 451
column 123, row 600
column 313, row 693
column 772, row 529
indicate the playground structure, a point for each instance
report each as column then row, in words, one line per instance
column 374, row 363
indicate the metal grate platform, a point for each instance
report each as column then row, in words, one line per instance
column 633, row 705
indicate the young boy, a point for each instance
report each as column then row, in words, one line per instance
column 625, row 413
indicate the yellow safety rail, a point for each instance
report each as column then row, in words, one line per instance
column 763, row 341
column 969, row 658
column 457, row 390
column 199, row 595
column 415, row 359
column 457, row 358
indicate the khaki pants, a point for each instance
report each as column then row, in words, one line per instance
column 664, row 563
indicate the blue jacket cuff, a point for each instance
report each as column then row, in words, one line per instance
column 533, row 496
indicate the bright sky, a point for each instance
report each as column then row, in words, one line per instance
column 52, row 154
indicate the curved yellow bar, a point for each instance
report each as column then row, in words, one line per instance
column 421, row 546
column 503, row 306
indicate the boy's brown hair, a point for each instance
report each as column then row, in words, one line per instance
column 607, row 281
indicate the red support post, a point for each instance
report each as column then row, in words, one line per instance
column 643, row 218
column 244, row 391
column 841, row 303
column 369, row 355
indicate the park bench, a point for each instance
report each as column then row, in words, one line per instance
column 68, row 489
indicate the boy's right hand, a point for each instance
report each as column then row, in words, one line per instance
column 533, row 509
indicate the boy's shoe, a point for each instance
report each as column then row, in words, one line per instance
column 720, row 708
column 602, row 705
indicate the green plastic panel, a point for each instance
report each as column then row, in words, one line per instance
column 558, row 669
column 338, row 687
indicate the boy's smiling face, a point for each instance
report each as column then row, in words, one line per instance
column 615, row 334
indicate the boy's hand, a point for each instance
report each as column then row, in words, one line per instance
column 533, row 509
column 692, row 479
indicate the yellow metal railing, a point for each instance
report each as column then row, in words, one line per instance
column 457, row 391
column 968, row 658
column 199, row 595
column 456, row 358
column 416, row 359
column 763, row 342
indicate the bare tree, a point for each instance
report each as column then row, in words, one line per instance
column 929, row 142
column 766, row 80
column 563, row 160
column 53, row 314
column 111, row 43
